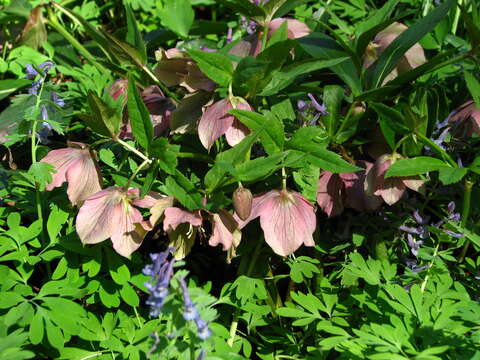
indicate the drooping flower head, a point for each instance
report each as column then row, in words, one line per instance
column 216, row 121
column 77, row 166
column 287, row 220
column 110, row 214
column 390, row 189
column 295, row 28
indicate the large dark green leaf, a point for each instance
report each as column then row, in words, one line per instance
column 138, row 114
column 377, row 72
column 273, row 136
column 177, row 15
column 11, row 85
column 216, row 66
column 134, row 37
column 321, row 46
column 183, row 190
column 414, row 166
column 103, row 119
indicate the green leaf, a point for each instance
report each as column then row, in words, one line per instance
column 117, row 268
column 129, row 295
column 377, row 72
column 123, row 51
column 104, row 120
column 244, row 7
column 41, row 173
column 56, row 219
column 149, row 178
column 11, row 85
column 414, row 166
column 183, row 190
column 134, row 37
column 142, row 127
column 54, row 335
column 215, row 65
column 321, row 46
column 284, row 110
column 473, row 86
column 391, row 118
column 272, row 136
column 166, row 154
column 259, row 168
column 322, row 158
column 367, row 29
column 449, row 175
column 36, row 329
column 9, row 299
column 228, row 160
column 307, row 180
column 282, row 79
column 332, row 98
column 177, row 15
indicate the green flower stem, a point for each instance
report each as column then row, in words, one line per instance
column 135, row 151
column 284, row 179
column 53, row 22
column 38, row 199
column 467, row 200
column 99, row 142
column 438, row 149
column 424, row 283
column 265, row 33
column 236, row 316
column 137, row 170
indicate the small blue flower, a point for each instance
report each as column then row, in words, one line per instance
column 30, row 72
column 161, row 272
column 191, row 313
column 57, row 100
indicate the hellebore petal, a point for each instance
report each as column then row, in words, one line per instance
column 224, row 228
column 355, row 189
column 287, row 220
column 330, row 193
column 391, row 189
column 414, row 57
column 296, row 29
column 467, row 117
column 77, row 166
column 175, row 216
column 158, row 209
column 237, row 131
column 109, row 214
column 214, row 122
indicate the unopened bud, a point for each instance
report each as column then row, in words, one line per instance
column 242, row 202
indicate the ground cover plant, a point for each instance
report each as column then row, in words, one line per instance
column 235, row 179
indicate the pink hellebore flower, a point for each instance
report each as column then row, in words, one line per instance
column 77, row 166
column 175, row 67
column 295, row 28
column 347, row 190
column 468, row 117
column 110, row 214
column 414, row 57
column 391, row 189
column 216, row 121
column 287, row 219
column 181, row 226
column 225, row 230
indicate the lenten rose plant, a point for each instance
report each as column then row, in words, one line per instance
column 239, row 179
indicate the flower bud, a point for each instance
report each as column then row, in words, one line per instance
column 242, row 202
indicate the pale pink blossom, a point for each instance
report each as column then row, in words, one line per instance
column 216, row 121
column 225, row 230
column 413, row 58
column 110, row 214
column 181, row 226
column 175, row 67
column 287, row 219
column 77, row 166
column 390, row 189
column 467, row 118
column 331, row 193
column 295, row 28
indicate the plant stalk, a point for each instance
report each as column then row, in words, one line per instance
column 467, row 200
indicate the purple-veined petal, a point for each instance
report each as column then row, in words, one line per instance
column 175, row 216
column 214, row 122
column 224, row 227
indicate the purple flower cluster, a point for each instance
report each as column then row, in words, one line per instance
column 191, row 313
column 312, row 107
column 161, row 272
column 31, row 74
column 421, row 231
